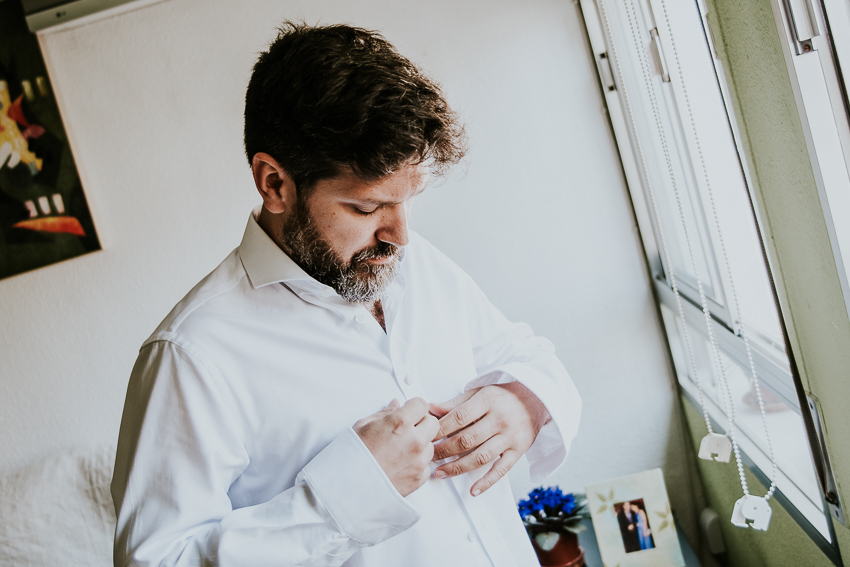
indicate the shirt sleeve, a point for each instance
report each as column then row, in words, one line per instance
column 506, row 352
column 180, row 448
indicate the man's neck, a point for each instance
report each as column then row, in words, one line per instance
column 272, row 225
column 377, row 312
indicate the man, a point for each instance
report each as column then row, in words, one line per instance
column 278, row 415
column 627, row 518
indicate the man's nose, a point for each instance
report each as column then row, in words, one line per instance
column 393, row 229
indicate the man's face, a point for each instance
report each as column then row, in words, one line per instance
column 348, row 233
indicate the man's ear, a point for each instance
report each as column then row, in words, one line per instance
column 276, row 187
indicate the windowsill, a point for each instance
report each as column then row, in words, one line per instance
column 592, row 558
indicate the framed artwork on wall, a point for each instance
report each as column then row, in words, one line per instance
column 44, row 215
column 633, row 522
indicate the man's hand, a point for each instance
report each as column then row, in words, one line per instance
column 493, row 423
column 400, row 440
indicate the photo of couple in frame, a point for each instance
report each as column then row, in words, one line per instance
column 633, row 521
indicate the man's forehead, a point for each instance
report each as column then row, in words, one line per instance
column 371, row 198
column 392, row 189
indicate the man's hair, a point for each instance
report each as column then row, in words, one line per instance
column 322, row 100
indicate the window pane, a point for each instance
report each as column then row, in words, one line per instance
column 721, row 184
column 649, row 99
column 796, row 478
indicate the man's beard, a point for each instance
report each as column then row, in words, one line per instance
column 357, row 280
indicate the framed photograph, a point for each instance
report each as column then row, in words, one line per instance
column 633, row 522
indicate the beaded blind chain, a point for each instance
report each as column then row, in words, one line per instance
column 749, row 508
column 644, row 170
column 719, row 444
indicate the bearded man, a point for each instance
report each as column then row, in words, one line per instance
column 280, row 413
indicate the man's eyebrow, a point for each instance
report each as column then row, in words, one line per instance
column 378, row 202
column 375, row 202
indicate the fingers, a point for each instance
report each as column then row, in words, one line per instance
column 465, row 440
column 499, row 469
column 490, row 425
column 410, row 413
column 386, row 410
column 400, row 440
column 489, row 451
column 428, row 426
column 463, row 415
column 443, row 408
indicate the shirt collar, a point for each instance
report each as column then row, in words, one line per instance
column 264, row 261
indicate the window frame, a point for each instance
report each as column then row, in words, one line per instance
column 820, row 92
column 778, row 375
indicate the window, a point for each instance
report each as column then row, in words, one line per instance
column 668, row 109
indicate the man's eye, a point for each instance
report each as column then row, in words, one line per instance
column 365, row 212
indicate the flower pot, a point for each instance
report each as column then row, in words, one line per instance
column 558, row 549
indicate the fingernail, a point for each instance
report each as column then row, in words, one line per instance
column 476, row 492
column 440, row 474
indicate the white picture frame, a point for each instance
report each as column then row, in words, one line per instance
column 633, row 522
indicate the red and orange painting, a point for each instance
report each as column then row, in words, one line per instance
column 44, row 216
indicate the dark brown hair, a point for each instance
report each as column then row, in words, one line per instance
column 323, row 99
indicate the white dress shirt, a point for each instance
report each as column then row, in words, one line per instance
column 236, row 446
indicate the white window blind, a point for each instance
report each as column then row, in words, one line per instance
column 690, row 193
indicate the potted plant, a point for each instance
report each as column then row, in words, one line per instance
column 553, row 520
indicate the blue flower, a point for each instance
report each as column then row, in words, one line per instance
column 547, row 503
column 526, row 508
column 569, row 505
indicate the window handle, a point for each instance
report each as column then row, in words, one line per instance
column 606, row 74
column 658, row 51
column 823, row 466
column 803, row 24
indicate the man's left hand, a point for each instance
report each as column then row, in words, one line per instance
column 491, row 424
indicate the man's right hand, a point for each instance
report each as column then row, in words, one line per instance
column 400, row 440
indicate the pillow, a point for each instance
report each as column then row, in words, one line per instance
column 59, row 511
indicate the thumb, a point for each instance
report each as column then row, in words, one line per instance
column 442, row 408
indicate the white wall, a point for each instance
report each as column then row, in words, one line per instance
column 539, row 217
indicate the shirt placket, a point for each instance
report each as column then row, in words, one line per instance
column 483, row 530
column 399, row 349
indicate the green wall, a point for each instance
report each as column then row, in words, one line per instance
column 748, row 45
column 783, row 544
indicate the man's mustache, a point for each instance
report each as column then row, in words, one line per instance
column 379, row 251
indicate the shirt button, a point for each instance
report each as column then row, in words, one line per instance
column 359, row 317
column 408, row 379
column 470, row 536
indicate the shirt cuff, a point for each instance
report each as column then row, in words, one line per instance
column 549, row 450
column 353, row 488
